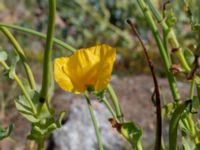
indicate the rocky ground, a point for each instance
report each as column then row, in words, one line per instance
column 134, row 93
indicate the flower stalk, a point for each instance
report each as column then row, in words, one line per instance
column 106, row 103
column 47, row 64
column 99, row 140
column 115, row 102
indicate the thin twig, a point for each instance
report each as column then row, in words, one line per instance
column 156, row 90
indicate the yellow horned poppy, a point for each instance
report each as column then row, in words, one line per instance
column 86, row 68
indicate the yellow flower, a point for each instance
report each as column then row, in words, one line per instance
column 86, row 68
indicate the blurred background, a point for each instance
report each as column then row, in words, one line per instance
column 83, row 23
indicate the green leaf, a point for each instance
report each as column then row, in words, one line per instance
column 42, row 128
column 188, row 144
column 132, row 133
column 24, row 107
column 3, row 56
column 14, row 61
column 189, row 56
column 168, row 109
column 197, row 50
column 173, row 126
column 195, row 102
column 5, row 132
column 197, row 146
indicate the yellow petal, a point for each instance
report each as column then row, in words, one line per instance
column 86, row 67
column 60, row 76
column 107, row 56
column 81, row 68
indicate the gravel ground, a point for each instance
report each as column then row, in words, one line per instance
column 134, row 93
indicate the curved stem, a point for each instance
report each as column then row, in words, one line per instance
column 100, row 144
column 23, row 89
column 38, row 34
column 150, row 21
column 115, row 102
column 21, row 55
column 182, row 60
column 47, row 64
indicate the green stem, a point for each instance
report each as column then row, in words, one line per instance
column 31, row 145
column 189, row 117
column 100, row 144
column 198, row 91
column 115, row 102
column 150, row 21
column 23, row 89
column 106, row 103
column 191, row 94
column 165, row 43
column 172, row 37
column 193, row 132
column 182, row 60
column 38, row 34
column 139, row 146
column 41, row 144
column 47, row 64
column 21, row 55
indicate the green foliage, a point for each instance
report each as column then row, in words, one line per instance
column 132, row 133
column 188, row 144
column 174, row 122
column 24, row 107
column 3, row 56
column 189, row 56
column 85, row 22
column 5, row 132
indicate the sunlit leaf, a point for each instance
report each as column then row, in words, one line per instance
column 132, row 133
column 3, row 56
column 189, row 56
column 188, row 144
column 14, row 61
column 24, row 109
